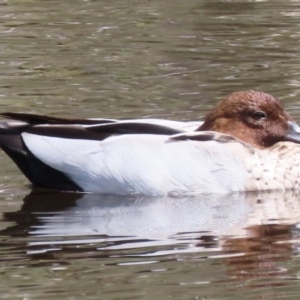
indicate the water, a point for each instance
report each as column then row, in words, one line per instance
column 222, row 246
column 127, row 59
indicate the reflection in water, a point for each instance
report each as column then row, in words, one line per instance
column 263, row 250
column 160, row 219
column 248, row 236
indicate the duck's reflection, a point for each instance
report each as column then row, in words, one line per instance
column 264, row 250
column 231, row 223
column 143, row 217
column 253, row 235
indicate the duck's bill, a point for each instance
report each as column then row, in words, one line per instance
column 293, row 134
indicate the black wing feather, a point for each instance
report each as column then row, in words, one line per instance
column 40, row 120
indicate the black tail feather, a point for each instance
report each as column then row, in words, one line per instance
column 33, row 119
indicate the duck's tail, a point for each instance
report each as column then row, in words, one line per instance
column 37, row 172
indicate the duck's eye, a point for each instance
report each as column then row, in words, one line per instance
column 259, row 115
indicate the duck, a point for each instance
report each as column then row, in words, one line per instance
column 247, row 142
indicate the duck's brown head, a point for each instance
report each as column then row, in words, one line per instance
column 253, row 117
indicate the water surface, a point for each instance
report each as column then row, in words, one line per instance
column 127, row 59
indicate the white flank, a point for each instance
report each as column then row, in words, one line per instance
column 142, row 164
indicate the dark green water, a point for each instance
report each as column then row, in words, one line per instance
column 166, row 59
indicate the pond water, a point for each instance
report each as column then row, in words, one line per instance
column 163, row 59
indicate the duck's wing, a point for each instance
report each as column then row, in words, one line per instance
column 144, row 163
column 185, row 126
column 153, row 124
column 12, row 140
column 33, row 119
